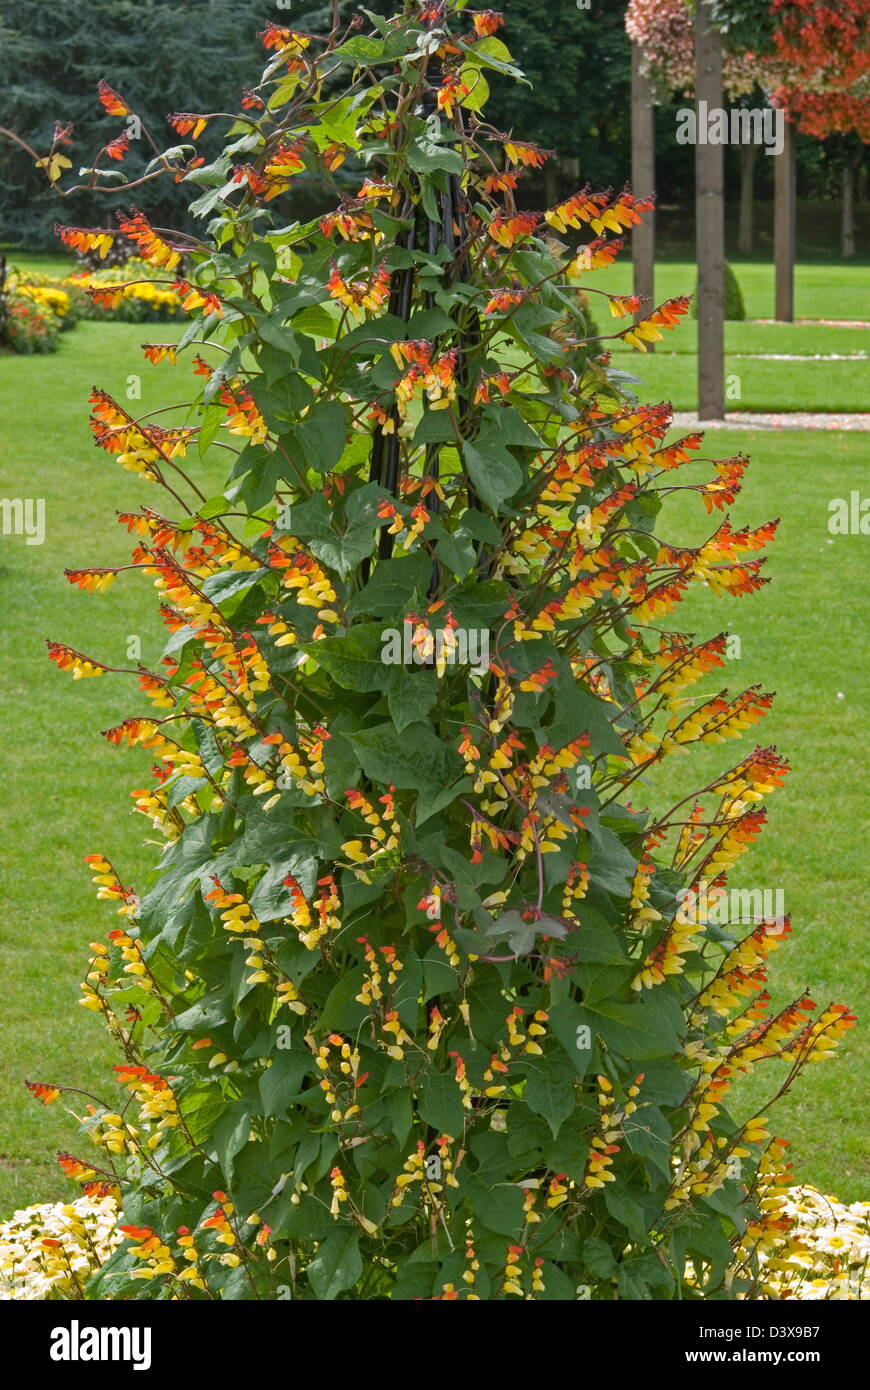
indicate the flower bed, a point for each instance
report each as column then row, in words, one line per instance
column 51, row 1250
column 35, row 309
column 27, row 327
column 147, row 295
column 49, row 298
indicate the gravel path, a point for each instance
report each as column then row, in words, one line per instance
column 802, row 356
column 828, row 323
column 784, row 420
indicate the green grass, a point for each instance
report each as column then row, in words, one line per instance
column 804, row 636
column 836, row 291
column 65, row 791
column 804, row 339
column 42, row 262
column 754, row 384
column 671, row 371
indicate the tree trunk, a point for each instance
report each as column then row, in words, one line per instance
column 847, row 226
column 747, row 199
column 551, row 183
column 709, row 222
column 643, row 173
column 785, row 225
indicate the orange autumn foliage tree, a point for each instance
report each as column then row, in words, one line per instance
column 425, row 1000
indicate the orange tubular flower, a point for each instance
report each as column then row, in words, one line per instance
column 46, row 1094
column 452, row 90
column 359, row 295
column 68, row 659
column 243, row 416
column 504, row 300
column 507, row 231
column 596, row 255
column 599, row 210
column 723, row 490
column 195, row 298
column 74, row 1168
column 106, row 296
column 151, row 247
column 186, row 123
column 351, row 226
column 666, row 316
column 159, row 352
column 487, row 22
column 525, row 153
column 677, row 453
column 92, row 581
column 112, row 101
column 669, row 314
column 284, row 41
column 84, row 239
column 281, row 166
column 117, row 148
column 501, row 183
column 538, row 680
column 623, row 304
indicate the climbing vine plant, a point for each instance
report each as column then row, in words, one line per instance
column 424, row 1000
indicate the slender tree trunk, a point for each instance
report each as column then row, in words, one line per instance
column 551, row 183
column 847, row 227
column 643, row 174
column 709, row 222
column 747, row 199
column 785, row 225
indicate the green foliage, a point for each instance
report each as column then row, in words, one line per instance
column 733, row 295
column 30, row 320
column 746, row 25
column 734, row 306
column 157, row 57
column 27, row 328
column 422, row 1000
column 577, row 98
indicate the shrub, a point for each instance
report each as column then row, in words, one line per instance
column 734, row 306
column 428, row 997
column 29, row 327
column 48, row 296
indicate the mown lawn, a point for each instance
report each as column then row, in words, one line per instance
column 747, row 336
column 805, row 637
column 752, row 383
column 65, row 791
column 834, row 291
